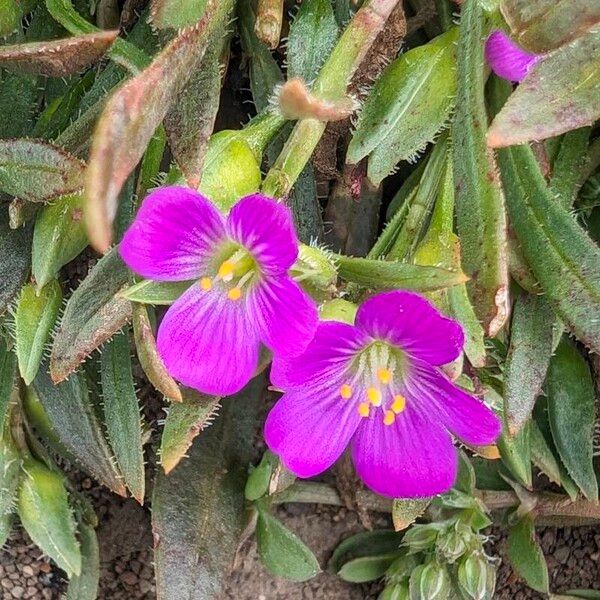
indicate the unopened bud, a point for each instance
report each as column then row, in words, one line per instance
column 338, row 310
column 473, row 577
column 421, row 537
column 435, row 582
column 397, row 591
column 451, row 545
column 315, row 272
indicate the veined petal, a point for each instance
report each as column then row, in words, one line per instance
column 266, row 228
column 506, row 58
column 411, row 458
column 309, row 430
column 286, row 317
column 326, row 357
column 172, row 236
column 411, row 322
column 464, row 415
column 208, row 343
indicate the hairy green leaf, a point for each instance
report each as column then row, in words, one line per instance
column 8, row 371
column 73, row 419
column 57, row 58
column 44, row 511
column 176, row 14
column 122, row 413
column 85, row 585
column 480, row 216
column 528, row 358
column 156, row 292
column 572, row 413
column 198, row 509
column 526, row 556
column 58, row 237
column 34, row 320
column 407, row 107
column 366, row 543
column 93, row 314
column 10, row 468
column 560, row 93
column 282, row 552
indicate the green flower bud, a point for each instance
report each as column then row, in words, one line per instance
column 451, row 545
column 338, row 310
column 397, row 591
column 401, row 568
column 434, row 582
column 315, row 271
column 231, row 169
column 257, row 484
column 421, row 537
column 473, row 574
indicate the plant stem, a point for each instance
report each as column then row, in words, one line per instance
column 551, row 509
column 269, row 18
column 330, row 85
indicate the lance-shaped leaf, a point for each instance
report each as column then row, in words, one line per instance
column 525, row 554
column 184, row 422
column 560, row 93
column 34, row 320
column 176, row 14
column 528, row 358
column 15, row 250
column 313, row 33
column 71, row 414
column 58, row 237
column 282, row 552
column 380, row 274
column 480, row 217
column 564, row 260
column 85, row 585
column 93, row 314
column 572, row 413
column 132, row 115
column 57, row 58
column 156, row 292
column 44, row 511
column 8, row 370
column 147, row 353
column 122, row 413
column 406, row 108
column 191, row 119
column 541, row 25
column 38, row 171
column 198, row 509
column 10, row 467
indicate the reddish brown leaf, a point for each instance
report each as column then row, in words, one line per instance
column 131, row 117
column 57, row 58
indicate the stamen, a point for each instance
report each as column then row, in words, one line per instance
column 374, row 396
column 389, row 417
column 399, row 403
column 234, row 293
column 363, row 409
column 206, row 283
column 346, row 391
column 226, row 269
column 384, row 375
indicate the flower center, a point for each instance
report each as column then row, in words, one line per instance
column 375, row 382
column 233, row 269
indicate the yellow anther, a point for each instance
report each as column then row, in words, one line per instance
column 226, row 269
column 399, row 403
column 384, row 375
column 389, row 417
column 206, row 283
column 363, row 409
column 374, row 396
column 234, row 293
column 346, row 391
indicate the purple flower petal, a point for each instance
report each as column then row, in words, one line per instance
column 286, row 317
column 310, row 429
column 411, row 458
column 409, row 321
column 465, row 416
column 208, row 343
column 266, row 228
column 506, row 58
column 172, row 233
column 327, row 356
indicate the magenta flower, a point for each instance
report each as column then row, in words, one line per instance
column 210, row 337
column 376, row 386
column 506, row 59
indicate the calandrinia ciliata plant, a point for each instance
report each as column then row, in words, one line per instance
column 393, row 262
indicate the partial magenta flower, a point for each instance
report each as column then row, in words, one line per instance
column 243, row 296
column 507, row 59
column 376, row 386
